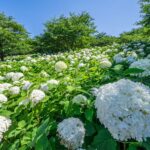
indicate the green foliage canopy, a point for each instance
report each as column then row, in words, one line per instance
column 66, row 33
column 145, row 11
column 13, row 37
column 102, row 39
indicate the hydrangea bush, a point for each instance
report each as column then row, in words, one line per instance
column 125, row 109
column 91, row 99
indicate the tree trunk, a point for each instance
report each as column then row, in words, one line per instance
column 2, row 56
column 1, row 52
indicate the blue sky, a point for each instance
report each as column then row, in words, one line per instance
column 111, row 16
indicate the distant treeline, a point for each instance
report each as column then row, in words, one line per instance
column 66, row 33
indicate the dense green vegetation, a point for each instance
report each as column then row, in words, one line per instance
column 57, row 81
column 70, row 33
column 145, row 5
column 142, row 33
column 13, row 37
column 74, row 88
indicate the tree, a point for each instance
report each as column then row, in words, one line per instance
column 145, row 11
column 142, row 33
column 13, row 37
column 66, row 33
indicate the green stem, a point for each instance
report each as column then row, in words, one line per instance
column 124, row 146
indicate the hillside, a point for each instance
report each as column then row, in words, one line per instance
column 39, row 91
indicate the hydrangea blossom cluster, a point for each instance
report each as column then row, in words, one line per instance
column 143, row 64
column 137, row 47
column 9, row 75
column 6, row 66
column 81, row 65
column 71, row 132
column 53, row 82
column 105, row 63
column 79, row 99
column 44, row 87
column 14, row 76
column 3, row 98
column 2, row 78
column 118, row 58
column 49, row 85
column 4, row 86
column 36, row 96
column 4, row 125
column 26, row 85
column 60, row 66
column 44, row 74
column 15, row 90
column 124, row 108
column 129, row 57
column 23, row 68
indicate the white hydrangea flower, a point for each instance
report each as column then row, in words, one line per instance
column 60, row 66
column 23, row 68
column 118, row 58
column 87, row 58
column 109, row 51
column 14, row 76
column 81, row 65
column 79, row 99
column 53, row 82
column 67, row 80
column 44, row 74
column 33, row 60
column 70, row 57
column 9, row 66
column 36, row 96
column 4, row 86
column 101, row 56
column 2, row 78
column 71, row 132
column 26, row 85
column 44, row 87
column 3, row 98
column 29, row 58
column 4, row 125
column 9, row 75
column 15, row 90
column 49, row 85
column 130, row 59
column 72, row 62
column 134, row 54
column 17, row 76
column 6, row 66
column 105, row 63
column 124, row 108
column 143, row 64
